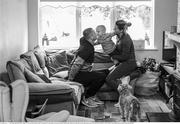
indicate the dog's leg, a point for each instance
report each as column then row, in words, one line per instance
column 123, row 112
column 127, row 109
column 133, row 113
column 139, row 114
column 120, row 110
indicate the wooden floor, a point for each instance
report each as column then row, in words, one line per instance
column 148, row 104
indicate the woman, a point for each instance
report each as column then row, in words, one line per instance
column 124, row 53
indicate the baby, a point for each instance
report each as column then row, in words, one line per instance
column 105, row 39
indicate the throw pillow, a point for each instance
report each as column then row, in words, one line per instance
column 39, row 77
column 57, row 62
column 44, row 78
column 31, row 77
column 61, row 74
column 46, row 72
column 40, row 55
column 31, row 60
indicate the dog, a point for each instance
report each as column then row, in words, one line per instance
column 129, row 105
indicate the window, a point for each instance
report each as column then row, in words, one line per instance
column 62, row 23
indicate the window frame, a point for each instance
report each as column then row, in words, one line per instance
column 113, row 18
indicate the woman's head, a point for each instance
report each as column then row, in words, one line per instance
column 121, row 25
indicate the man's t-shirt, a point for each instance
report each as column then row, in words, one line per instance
column 86, row 52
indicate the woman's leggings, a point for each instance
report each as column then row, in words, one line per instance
column 123, row 69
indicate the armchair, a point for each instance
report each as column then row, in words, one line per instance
column 15, row 101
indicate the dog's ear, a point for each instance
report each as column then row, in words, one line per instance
column 119, row 88
column 119, row 81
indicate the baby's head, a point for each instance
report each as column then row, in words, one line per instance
column 100, row 30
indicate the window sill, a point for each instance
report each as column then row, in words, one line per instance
column 98, row 49
column 153, row 49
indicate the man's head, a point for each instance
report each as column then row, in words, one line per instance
column 100, row 30
column 90, row 35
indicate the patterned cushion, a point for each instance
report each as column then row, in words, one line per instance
column 57, row 62
column 31, row 77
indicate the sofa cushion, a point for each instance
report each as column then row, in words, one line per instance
column 61, row 74
column 31, row 60
column 77, row 87
column 55, row 93
column 57, row 62
column 44, row 78
column 31, row 77
column 40, row 55
column 42, row 89
column 45, row 71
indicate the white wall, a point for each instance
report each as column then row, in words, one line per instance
column 165, row 17
column 13, row 30
column 33, row 23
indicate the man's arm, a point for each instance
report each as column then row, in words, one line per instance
column 76, row 66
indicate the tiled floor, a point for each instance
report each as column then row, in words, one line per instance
column 148, row 104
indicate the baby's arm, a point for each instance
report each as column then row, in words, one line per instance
column 104, row 37
column 107, row 35
column 110, row 35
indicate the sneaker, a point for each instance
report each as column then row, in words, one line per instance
column 97, row 100
column 117, row 105
column 89, row 103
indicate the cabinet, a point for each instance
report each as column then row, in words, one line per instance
column 169, row 86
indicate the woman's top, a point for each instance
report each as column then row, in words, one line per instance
column 125, row 47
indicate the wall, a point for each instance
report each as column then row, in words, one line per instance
column 13, row 30
column 33, row 23
column 178, row 18
column 165, row 17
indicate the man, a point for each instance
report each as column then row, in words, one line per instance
column 80, row 70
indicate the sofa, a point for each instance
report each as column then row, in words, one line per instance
column 32, row 66
column 46, row 72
